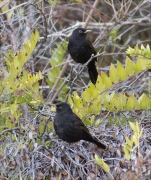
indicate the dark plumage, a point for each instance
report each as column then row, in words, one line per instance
column 81, row 49
column 70, row 128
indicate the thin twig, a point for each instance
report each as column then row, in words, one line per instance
column 90, row 14
column 50, row 98
column 83, row 67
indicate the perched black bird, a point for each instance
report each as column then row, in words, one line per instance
column 70, row 128
column 81, row 49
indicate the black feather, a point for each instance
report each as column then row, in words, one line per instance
column 81, row 50
column 70, row 128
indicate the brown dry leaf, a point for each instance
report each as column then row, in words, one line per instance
column 78, row 143
column 64, row 172
column 12, row 165
column 140, row 161
column 21, row 129
column 81, row 156
column 77, row 158
column 19, row 92
column 53, row 167
column 1, row 156
column 92, row 175
column 89, row 168
column 49, row 157
column 122, row 163
column 31, row 127
column 113, row 135
column 58, row 176
column 24, row 158
column 66, row 160
column 11, row 117
column 38, row 178
column 111, row 148
column 118, row 170
column 3, row 177
column 120, row 148
column 21, row 146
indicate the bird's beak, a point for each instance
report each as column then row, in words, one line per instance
column 88, row 30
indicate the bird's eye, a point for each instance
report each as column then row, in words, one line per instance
column 60, row 107
column 80, row 31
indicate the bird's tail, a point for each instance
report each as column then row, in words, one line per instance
column 94, row 141
column 93, row 73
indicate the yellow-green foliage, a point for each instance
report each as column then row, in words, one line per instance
column 102, row 164
column 53, row 2
column 17, row 85
column 95, row 97
column 133, row 142
column 56, row 63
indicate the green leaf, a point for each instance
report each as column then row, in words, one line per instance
column 144, row 102
column 93, row 91
column 135, row 140
column 142, row 54
column 21, row 99
column 53, row 2
column 106, row 80
column 113, row 74
column 95, row 107
column 86, row 96
column 9, row 124
column 115, row 102
column 89, row 121
column 13, row 108
column 139, row 65
column 101, row 163
column 77, row 100
column 129, row 68
column 113, row 33
column 129, row 142
column 105, row 99
column 127, row 153
column 137, row 128
column 36, row 87
column 4, row 110
column 100, row 86
column 56, row 63
column 41, row 129
column 97, row 123
column 133, row 126
column 122, row 100
column 132, row 103
column 35, row 102
column 131, row 51
column 5, row 8
column 121, row 71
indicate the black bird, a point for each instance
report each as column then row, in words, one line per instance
column 81, row 49
column 70, row 128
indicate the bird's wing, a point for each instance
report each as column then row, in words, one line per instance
column 90, row 47
column 79, row 124
column 76, row 129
